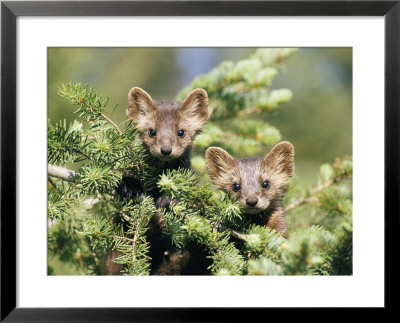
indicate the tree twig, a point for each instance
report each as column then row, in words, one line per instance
column 112, row 123
column 313, row 192
column 233, row 233
column 123, row 238
column 237, row 235
column 249, row 111
column 61, row 172
column 125, row 216
column 134, row 248
column 105, row 117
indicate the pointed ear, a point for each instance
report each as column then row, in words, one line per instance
column 195, row 108
column 221, row 167
column 140, row 104
column 280, row 160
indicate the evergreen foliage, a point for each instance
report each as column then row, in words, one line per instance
column 89, row 218
column 238, row 90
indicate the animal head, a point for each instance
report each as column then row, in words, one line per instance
column 168, row 128
column 254, row 182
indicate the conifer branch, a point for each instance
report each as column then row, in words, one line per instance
column 238, row 235
column 249, row 110
column 106, row 118
column 195, row 214
column 313, row 192
column 112, row 123
column 123, row 238
column 125, row 216
column 220, row 228
column 61, row 172
column 135, row 237
column 343, row 173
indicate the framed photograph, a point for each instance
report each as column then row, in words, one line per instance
column 197, row 152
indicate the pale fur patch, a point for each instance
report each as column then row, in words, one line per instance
column 279, row 163
column 140, row 105
column 194, row 109
column 222, row 168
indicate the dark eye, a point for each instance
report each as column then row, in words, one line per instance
column 181, row 133
column 266, row 184
column 236, row 187
column 152, row 133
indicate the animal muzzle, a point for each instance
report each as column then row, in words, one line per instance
column 251, row 201
column 166, row 150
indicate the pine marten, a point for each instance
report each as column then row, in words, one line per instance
column 256, row 183
column 167, row 130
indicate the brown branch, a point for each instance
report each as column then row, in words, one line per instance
column 133, row 241
column 249, row 111
column 112, row 123
column 123, row 238
column 313, row 192
column 134, row 248
column 105, row 117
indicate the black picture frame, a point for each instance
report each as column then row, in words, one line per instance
column 10, row 10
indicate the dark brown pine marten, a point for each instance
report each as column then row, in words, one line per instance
column 167, row 130
column 256, row 183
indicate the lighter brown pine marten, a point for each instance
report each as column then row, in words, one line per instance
column 256, row 183
column 167, row 130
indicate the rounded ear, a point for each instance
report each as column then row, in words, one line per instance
column 221, row 167
column 280, row 159
column 140, row 103
column 195, row 108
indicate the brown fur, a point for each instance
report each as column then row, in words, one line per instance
column 110, row 267
column 167, row 118
column 171, row 266
column 276, row 167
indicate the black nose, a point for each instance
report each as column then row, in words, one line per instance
column 166, row 150
column 251, row 201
